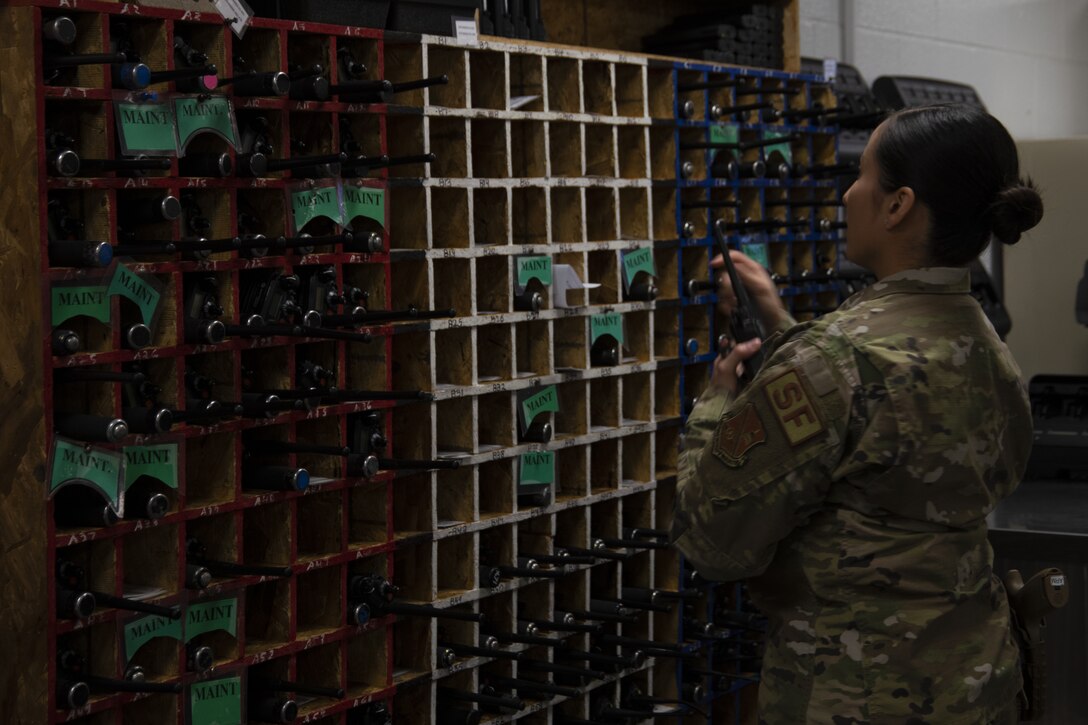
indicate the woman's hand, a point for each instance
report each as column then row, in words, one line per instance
column 761, row 290
column 729, row 364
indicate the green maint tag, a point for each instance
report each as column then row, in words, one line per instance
column 539, row 268
column 363, row 201
column 638, row 260
column 208, row 115
column 537, row 468
column 146, row 128
column 785, row 149
column 610, row 323
column 128, row 284
column 546, row 401
column 80, row 301
column 724, row 133
column 222, row 614
column 758, row 252
column 159, row 462
column 142, row 630
column 97, row 466
column 216, row 702
column 322, row 201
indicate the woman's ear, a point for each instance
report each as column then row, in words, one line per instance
column 898, row 206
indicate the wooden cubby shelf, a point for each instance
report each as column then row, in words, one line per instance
column 329, row 442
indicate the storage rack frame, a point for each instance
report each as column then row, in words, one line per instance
column 617, row 430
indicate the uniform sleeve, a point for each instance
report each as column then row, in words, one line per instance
column 784, row 324
column 755, row 467
column 703, row 421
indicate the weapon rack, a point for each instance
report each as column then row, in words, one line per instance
column 586, row 168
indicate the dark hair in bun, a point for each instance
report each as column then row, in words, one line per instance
column 1015, row 210
column 962, row 164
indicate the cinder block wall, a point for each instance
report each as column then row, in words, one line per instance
column 1027, row 58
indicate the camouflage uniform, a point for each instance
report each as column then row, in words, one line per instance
column 849, row 483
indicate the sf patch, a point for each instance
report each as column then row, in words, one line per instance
column 793, row 408
column 739, row 433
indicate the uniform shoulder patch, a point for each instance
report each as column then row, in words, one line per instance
column 738, row 433
column 798, row 417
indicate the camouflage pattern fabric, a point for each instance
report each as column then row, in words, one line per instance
column 849, row 483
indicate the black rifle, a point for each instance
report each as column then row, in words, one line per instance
column 744, row 320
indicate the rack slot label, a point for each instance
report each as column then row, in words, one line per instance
column 757, row 251
column 545, row 401
column 222, row 614
column 309, row 203
column 202, row 114
column 635, row 261
column 610, row 323
column 538, row 268
column 146, row 128
column 784, row 148
column 364, row 201
column 127, row 283
column 80, row 301
column 159, row 462
column 75, row 462
column 536, row 468
column 142, row 630
column 723, row 133
column 216, row 702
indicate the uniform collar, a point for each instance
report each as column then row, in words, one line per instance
column 924, row 280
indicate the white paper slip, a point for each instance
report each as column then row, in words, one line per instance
column 831, row 69
column 518, row 101
column 565, row 278
column 237, row 12
column 464, row 29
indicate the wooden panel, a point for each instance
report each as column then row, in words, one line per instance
column 621, row 24
column 23, row 565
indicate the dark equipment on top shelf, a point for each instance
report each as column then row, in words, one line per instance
column 365, row 13
column 896, row 92
column 435, row 16
column 752, row 38
column 1059, row 407
column 858, row 108
column 862, row 112
column 526, row 17
column 507, row 18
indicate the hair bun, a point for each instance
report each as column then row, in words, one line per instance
column 1016, row 209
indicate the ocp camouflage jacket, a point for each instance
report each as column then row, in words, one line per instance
column 850, row 483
